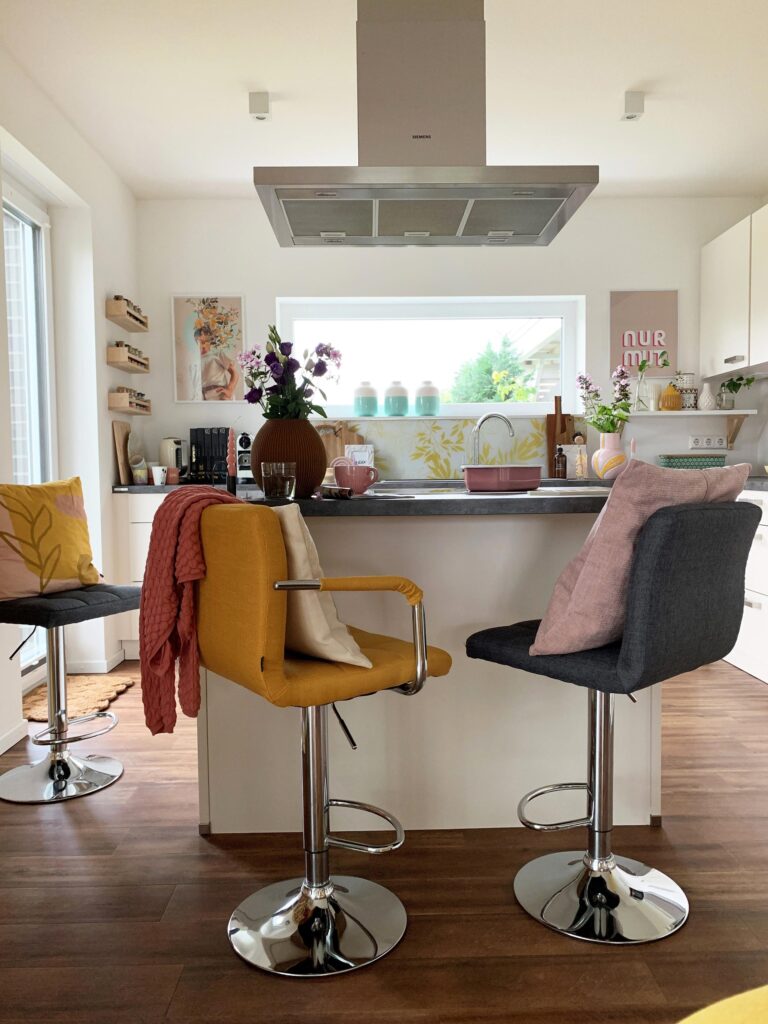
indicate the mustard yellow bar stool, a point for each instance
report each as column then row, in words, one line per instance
column 319, row 924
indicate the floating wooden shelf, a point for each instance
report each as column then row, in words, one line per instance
column 120, row 358
column 734, row 418
column 694, row 412
column 120, row 313
column 122, row 401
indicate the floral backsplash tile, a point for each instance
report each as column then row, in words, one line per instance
column 437, row 449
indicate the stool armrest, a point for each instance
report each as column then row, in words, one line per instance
column 400, row 584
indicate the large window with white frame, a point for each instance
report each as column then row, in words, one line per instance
column 27, row 286
column 483, row 353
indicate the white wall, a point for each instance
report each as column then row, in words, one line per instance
column 227, row 246
column 93, row 233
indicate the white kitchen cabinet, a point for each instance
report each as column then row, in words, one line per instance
column 725, row 301
column 758, row 331
column 133, row 515
column 757, row 563
column 749, row 652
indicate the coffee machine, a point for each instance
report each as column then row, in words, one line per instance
column 243, row 449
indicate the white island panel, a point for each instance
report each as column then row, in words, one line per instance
column 461, row 753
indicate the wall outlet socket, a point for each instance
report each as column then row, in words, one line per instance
column 707, row 442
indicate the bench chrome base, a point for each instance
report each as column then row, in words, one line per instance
column 291, row 929
column 617, row 901
column 59, row 777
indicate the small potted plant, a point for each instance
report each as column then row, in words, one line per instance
column 731, row 387
column 285, row 390
column 609, row 418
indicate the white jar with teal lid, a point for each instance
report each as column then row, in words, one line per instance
column 366, row 401
column 396, row 400
column 427, row 399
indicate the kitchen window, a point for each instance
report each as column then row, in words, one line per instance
column 26, row 260
column 484, row 354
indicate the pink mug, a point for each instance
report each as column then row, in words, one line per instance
column 359, row 478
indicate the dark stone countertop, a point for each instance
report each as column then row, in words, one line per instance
column 448, row 498
column 460, row 505
column 437, row 498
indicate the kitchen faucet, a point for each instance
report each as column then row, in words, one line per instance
column 476, row 433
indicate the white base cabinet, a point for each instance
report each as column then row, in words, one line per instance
column 749, row 654
column 133, row 515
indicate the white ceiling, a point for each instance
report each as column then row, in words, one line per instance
column 160, row 87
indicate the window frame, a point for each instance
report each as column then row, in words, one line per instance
column 570, row 308
column 21, row 204
column 26, row 207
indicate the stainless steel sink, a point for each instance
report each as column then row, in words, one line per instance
column 438, row 488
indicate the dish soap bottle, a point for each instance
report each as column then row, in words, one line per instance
column 561, row 464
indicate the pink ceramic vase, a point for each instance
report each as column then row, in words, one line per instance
column 609, row 460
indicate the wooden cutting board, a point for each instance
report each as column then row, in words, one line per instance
column 121, row 432
column 335, row 436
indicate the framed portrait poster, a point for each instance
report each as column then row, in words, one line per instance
column 208, row 335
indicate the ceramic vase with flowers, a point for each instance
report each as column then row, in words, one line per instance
column 609, row 418
column 285, row 390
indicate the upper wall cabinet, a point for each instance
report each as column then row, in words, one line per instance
column 758, row 329
column 725, row 307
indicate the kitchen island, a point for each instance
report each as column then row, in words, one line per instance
column 462, row 752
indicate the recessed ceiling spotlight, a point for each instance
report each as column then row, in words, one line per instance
column 258, row 105
column 634, row 106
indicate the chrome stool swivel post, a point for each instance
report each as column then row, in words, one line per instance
column 594, row 894
column 320, row 924
column 61, row 775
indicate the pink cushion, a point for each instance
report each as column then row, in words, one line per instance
column 586, row 609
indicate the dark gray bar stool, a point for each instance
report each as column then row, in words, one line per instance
column 684, row 608
column 62, row 775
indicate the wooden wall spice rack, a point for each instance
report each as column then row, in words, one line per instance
column 123, row 313
column 128, row 403
column 121, row 357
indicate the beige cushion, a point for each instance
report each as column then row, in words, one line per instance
column 313, row 625
column 586, row 609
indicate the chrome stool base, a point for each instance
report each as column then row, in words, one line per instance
column 623, row 902
column 62, row 777
column 290, row 929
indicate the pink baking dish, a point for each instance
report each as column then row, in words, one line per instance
column 502, row 478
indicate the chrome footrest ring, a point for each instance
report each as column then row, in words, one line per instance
column 350, row 844
column 54, row 741
column 555, row 826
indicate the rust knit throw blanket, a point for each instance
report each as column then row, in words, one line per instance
column 167, row 623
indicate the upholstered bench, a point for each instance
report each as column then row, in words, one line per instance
column 62, row 775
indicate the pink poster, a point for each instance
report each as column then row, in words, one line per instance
column 643, row 326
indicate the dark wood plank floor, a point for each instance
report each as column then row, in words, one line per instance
column 113, row 909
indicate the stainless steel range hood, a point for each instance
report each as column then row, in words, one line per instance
column 422, row 177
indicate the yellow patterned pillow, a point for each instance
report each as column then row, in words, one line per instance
column 44, row 542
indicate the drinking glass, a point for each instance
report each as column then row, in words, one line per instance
column 278, row 479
